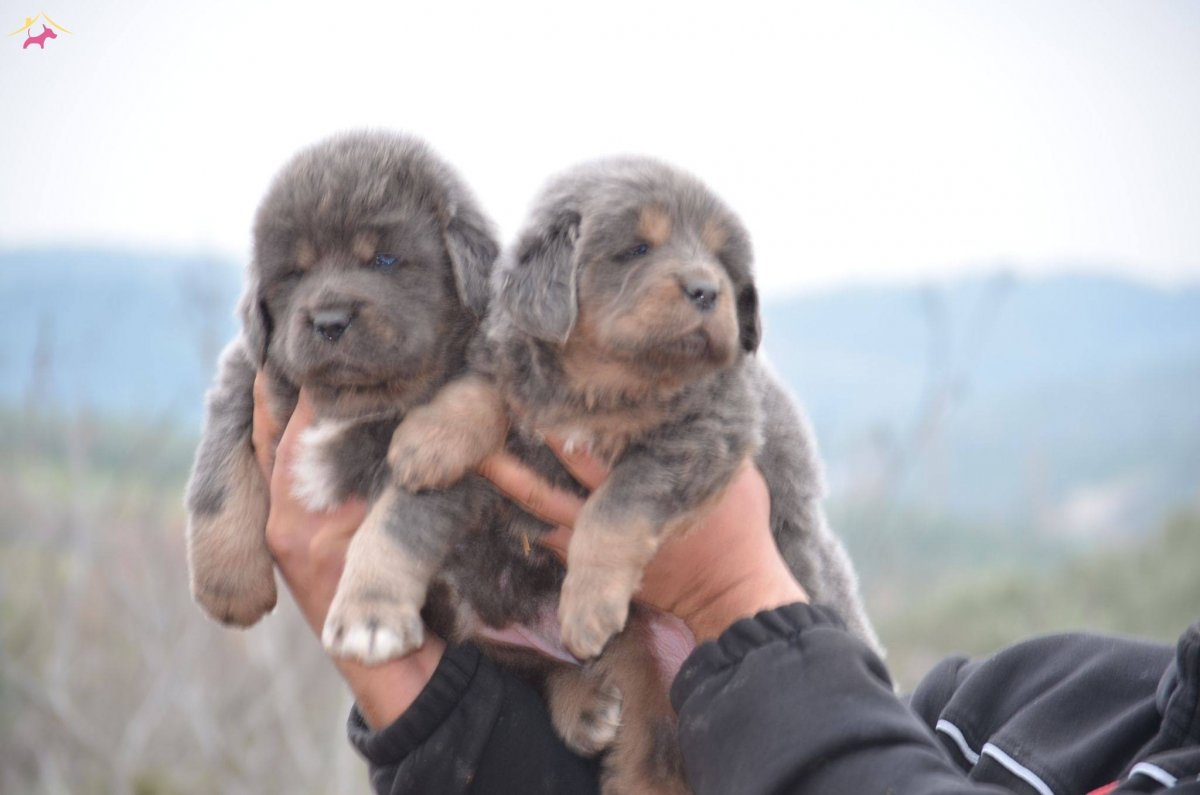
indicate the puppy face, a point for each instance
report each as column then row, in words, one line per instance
column 633, row 262
column 369, row 259
column 358, row 306
column 652, row 291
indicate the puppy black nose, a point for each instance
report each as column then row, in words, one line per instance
column 703, row 294
column 331, row 323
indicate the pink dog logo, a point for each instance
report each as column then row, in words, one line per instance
column 48, row 31
column 40, row 39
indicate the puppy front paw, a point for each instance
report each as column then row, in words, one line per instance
column 427, row 453
column 232, row 572
column 438, row 443
column 592, row 608
column 372, row 630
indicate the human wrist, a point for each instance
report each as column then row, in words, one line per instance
column 311, row 564
column 742, row 597
column 385, row 692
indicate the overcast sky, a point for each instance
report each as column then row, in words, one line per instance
column 859, row 141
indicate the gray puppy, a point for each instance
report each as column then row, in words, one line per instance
column 369, row 277
column 625, row 320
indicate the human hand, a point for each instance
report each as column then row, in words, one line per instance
column 725, row 568
column 309, row 546
column 310, row 551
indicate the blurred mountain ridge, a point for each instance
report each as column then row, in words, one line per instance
column 1065, row 401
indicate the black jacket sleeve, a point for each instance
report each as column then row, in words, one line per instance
column 474, row 728
column 788, row 701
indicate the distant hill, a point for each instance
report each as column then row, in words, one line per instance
column 126, row 333
column 1066, row 402
column 1150, row 590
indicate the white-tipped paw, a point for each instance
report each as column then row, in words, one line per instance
column 372, row 631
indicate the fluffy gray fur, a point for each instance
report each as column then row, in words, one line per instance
column 369, row 277
column 625, row 318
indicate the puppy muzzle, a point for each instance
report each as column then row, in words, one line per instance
column 331, row 324
column 701, row 292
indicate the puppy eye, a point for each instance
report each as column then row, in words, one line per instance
column 640, row 250
column 385, row 262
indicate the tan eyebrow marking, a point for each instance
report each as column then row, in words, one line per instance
column 364, row 245
column 654, row 225
column 714, row 235
column 305, row 253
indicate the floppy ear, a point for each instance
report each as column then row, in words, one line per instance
column 749, row 322
column 473, row 251
column 538, row 290
column 257, row 324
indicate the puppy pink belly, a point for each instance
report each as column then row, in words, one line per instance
column 670, row 640
column 671, row 643
column 540, row 637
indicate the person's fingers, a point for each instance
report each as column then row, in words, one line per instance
column 529, row 490
column 582, row 465
column 294, row 532
column 265, row 429
column 299, row 537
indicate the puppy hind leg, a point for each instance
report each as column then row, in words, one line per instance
column 585, row 708
column 230, row 567
column 439, row 442
column 645, row 755
column 819, row 562
column 842, row 591
column 645, row 759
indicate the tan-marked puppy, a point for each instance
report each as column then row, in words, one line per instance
column 369, row 276
column 625, row 320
